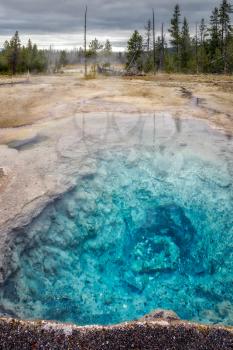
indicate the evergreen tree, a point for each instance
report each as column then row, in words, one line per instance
column 134, row 51
column 213, row 47
column 214, row 32
column 224, row 20
column 14, row 52
column 16, row 58
column 107, row 50
column 63, row 58
column 40, row 63
column 185, row 46
column 4, row 66
column 29, row 56
column 107, row 53
column 175, row 33
column 94, row 47
column 230, row 54
column 6, row 53
column 158, row 50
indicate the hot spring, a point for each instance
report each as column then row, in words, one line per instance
column 150, row 226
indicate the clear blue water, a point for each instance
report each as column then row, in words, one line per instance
column 151, row 227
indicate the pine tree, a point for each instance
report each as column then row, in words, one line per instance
column 38, row 59
column 224, row 20
column 230, row 54
column 107, row 53
column 214, row 32
column 94, row 47
column 134, row 51
column 185, row 45
column 63, row 58
column 4, row 66
column 29, row 54
column 175, row 33
column 14, row 52
column 107, row 50
column 17, row 58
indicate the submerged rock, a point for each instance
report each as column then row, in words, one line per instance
column 158, row 314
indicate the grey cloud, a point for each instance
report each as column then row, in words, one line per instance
column 66, row 16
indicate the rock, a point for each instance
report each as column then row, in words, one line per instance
column 155, row 255
column 158, row 314
column 137, row 282
column 160, row 334
column 210, row 315
column 225, row 309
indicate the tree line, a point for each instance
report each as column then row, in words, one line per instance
column 15, row 58
column 208, row 50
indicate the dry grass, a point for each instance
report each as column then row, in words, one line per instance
column 16, row 112
column 90, row 76
column 13, row 122
column 184, row 77
column 142, row 91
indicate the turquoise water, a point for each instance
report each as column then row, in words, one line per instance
column 151, row 227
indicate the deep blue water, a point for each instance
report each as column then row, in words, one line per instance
column 151, row 227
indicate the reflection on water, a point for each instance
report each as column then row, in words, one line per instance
column 149, row 226
column 178, row 123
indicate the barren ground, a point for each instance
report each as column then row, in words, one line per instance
column 26, row 102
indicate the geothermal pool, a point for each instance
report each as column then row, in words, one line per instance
column 151, row 226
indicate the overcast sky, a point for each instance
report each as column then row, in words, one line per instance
column 60, row 22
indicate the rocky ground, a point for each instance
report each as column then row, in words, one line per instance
column 156, row 332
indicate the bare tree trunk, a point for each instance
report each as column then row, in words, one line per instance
column 85, row 42
column 196, row 49
column 154, row 42
column 162, row 49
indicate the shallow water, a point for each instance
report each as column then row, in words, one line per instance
column 151, row 226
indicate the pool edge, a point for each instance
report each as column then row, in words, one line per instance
column 151, row 334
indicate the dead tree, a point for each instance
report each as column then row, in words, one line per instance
column 161, row 63
column 85, row 42
column 196, row 51
column 154, row 56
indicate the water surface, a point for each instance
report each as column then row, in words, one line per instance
column 150, row 226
